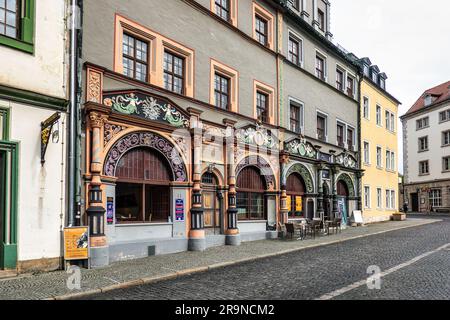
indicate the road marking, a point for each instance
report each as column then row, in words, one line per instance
column 361, row 283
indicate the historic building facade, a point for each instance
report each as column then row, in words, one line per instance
column 379, row 146
column 213, row 132
column 426, row 129
column 33, row 100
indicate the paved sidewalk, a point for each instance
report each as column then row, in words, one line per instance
column 152, row 269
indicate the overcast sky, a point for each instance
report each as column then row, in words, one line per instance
column 408, row 39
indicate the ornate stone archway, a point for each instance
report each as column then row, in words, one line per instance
column 345, row 178
column 304, row 173
column 150, row 140
column 263, row 166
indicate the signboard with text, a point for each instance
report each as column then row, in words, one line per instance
column 76, row 243
column 179, row 210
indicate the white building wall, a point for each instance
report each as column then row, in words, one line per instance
column 45, row 71
column 436, row 151
column 41, row 203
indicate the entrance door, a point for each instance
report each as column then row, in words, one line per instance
column 415, row 202
column 211, row 204
column 295, row 189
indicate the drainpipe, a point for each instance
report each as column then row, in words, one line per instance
column 73, row 115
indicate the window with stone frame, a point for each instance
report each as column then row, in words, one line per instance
column 174, row 73
column 261, row 30
column 341, row 134
column 294, row 50
column 321, row 127
column 296, row 118
column 423, row 144
column 339, row 80
column 446, row 164
column 424, row 168
column 262, row 106
column 435, row 198
column 350, row 138
column 320, row 67
column 222, row 91
column 135, row 58
column 223, row 9
column 446, row 138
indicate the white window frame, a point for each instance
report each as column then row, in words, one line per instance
column 300, row 41
column 388, row 160
column 368, row 108
column 301, row 105
column 380, row 198
column 366, row 161
column 379, row 120
column 432, row 197
column 367, row 195
column 380, row 157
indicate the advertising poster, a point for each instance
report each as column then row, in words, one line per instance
column 179, row 210
column 76, row 243
column 342, row 207
column 110, row 211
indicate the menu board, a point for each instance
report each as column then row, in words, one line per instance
column 76, row 243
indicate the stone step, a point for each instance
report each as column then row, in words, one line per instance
column 6, row 274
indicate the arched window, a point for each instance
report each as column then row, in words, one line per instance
column 295, row 189
column 142, row 189
column 250, row 194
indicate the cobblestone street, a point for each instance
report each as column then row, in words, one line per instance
column 313, row 273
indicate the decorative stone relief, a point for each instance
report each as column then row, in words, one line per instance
column 347, row 160
column 146, row 139
column 301, row 147
column 257, row 136
column 147, row 107
column 111, row 130
column 94, row 86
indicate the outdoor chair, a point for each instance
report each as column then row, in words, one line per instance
column 290, row 229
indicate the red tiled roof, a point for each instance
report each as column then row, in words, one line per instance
column 441, row 92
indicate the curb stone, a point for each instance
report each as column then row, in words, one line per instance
column 182, row 273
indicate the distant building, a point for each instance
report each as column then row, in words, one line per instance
column 426, row 129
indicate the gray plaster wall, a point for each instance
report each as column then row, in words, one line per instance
column 178, row 21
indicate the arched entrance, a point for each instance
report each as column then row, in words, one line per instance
column 143, row 187
column 295, row 190
column 212, row 203
column 250, row 199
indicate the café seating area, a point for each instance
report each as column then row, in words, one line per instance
column 307, row 228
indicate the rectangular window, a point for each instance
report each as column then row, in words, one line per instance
column 388, row 199
column 446, row 138
column 393, row 161
column 321, row 19
column 294, row 4
column 135, row 58
column 294, row 53
column 295, row 118
column 367, row 197
column 366, row 110
column 446, row 164
column 10, row 18
column 392, row 122
column 444, row 116
column 392, row 199
column 350, row 139
column 379, row 157
column 320, row 68
column 340, row 135
column 261, row 30
column 388, row 160
column 366, row 153
column 422, row 123
column 262, row 106
column 424, row 168
column 350, row 86
column 423, row 144
column 388, row 120
column 173, row 72
column 321, row 127
column 379, row 198
column 379, row 116
column 436, row 198
column 339, row 80
column 223, row 9
column 222, row 91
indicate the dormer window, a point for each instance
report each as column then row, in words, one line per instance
column 383, row 83
column 366, row 70
column 374, row 77
column 428, row 100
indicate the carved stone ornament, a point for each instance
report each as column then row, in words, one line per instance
column 94, row 87
column 263, row 166
column 97, row 120
column 301, row 147
column 112, row 130
column 346, row 160
column 151, row 140
column 147, row 107
column 256, row 136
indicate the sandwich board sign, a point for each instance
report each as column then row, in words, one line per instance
column 357, row 217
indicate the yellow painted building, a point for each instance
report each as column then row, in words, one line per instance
column 379, row 147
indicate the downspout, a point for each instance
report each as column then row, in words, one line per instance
column 73, row 114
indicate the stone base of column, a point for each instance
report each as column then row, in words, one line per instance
column 99, row 257
column 197, row 240
column 233, row 239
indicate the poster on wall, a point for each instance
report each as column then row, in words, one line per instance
column 76, row 243
column 298, row 204
column 110, row 211
column 342, row 208
column 179, row 210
